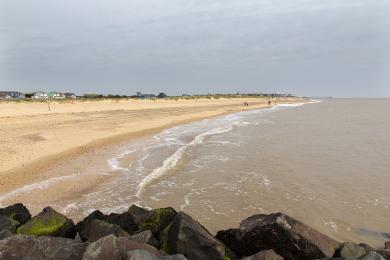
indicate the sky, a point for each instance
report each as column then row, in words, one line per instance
column 335, row 48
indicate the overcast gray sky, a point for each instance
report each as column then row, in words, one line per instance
column 306, row 47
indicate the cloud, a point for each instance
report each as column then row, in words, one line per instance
column 188, row 46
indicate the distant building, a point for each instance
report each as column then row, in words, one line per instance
column 145, row 96
column 11, row 95
column 56, row 95
column 161, row 95
column 70, row 95
column 40, row 95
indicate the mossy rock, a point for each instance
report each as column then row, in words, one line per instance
column 17, row 212
column 49, row 223
column 157, row 220
column 8, row 224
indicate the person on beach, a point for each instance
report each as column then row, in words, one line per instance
column 269, row 102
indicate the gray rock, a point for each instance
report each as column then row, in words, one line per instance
column 385, row 253
column 366, row 247
column 140, row 254
column 264, row 255
column 49, row 223
column 137, row 213
column 186, row 236
column 98, row 229
column 146, row 237
column 349, row 250
column 9, row 224
column 5, row 233
column 287, row 236
column 387, row 245
column 124, row 221
column 20, row 247
column 371, row 256
column 16, row 212
column 113, row 248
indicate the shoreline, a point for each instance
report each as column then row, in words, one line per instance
column 36, row 170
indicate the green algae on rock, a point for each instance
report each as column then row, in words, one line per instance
column 49, row 223
column 157, row 220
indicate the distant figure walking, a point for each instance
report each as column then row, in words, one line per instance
column 246, row 104
column 269, row 102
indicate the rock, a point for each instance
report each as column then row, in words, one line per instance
column 140, row 254
column 137, row 213
column 385, row 253
column 186, row 236
column 16, row 212
column 9, row 224
column 232, row 239
column 124, row 220
column 34, row 248
column 82, row 226
column 264, row 255
column 99, row 228
column 387, row 245
column 286, row 236
column 366, row 247
column 146, row 237
column 349, row 250
column 49, row 223
column 157, row 220
column 5, row 233
column 371, row 256
column 113, row 248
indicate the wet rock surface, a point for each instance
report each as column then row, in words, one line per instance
column 166, row 234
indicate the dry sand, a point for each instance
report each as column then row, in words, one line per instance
column 34, row 138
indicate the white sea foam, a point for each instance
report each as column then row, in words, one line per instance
column 38, row 185
column 172, row 160
column 113, row 163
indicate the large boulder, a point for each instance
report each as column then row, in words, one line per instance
column 349, row 250
column 286, row 236
column 99, row 228
column 5, row 233
column 146, row 237
column 264, row 255
column 369, row 256
column 157, row 220
column 366, row 247
column 385, row 253
column 114, row 248
column 82, row 226
column 124, row 221
column 9, row 224
column 186, row 236
column 34, row 248
column 140, row 254
column 16, row 212
column 137, row 213
column 49, row 223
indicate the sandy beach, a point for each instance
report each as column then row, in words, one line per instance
column 33, row 138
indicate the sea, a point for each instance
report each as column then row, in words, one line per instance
column 325, row 163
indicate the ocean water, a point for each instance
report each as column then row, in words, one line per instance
column 326, row 163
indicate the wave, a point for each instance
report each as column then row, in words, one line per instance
column 38, row 185
column 172, row 160
column 113, row 163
